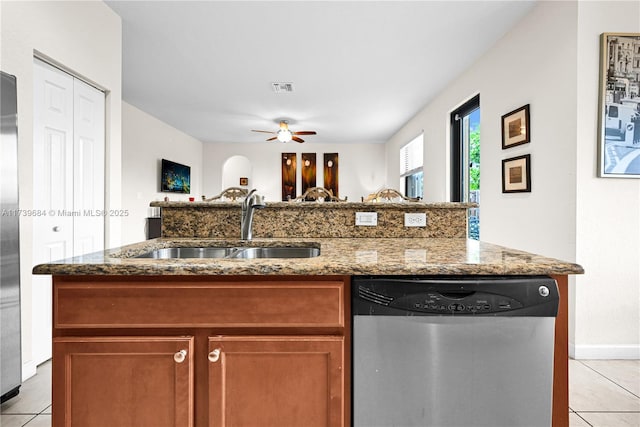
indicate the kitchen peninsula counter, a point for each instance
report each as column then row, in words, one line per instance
column 208, row 325
column 338, row 256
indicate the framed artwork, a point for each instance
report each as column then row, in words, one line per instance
column 516, row 174
column 331, row 172
column 175, row 177
column 516, row 128
column 288, row 176
column 308, row 171
column 244, row 182
column 619, row 106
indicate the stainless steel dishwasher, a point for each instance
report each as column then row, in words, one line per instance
column 453, row 351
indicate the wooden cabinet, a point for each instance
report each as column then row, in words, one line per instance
column 124, row 382
column 276, row 381
column 198, row 351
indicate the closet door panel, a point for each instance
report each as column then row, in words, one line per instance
column 88, row 171
column 52, row 190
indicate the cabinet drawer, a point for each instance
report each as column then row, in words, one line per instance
column 165, row 303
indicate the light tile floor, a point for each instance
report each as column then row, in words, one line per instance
column 32, row 406
column 602, row 393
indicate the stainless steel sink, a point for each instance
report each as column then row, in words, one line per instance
column 233, row 252
column 167, row 253
column 276, row 252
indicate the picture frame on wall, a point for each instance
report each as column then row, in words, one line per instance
column 330, row 172
column 516, row 174
column 619, row 106
column 516, row 128
column 289, row 168
column 308, row 171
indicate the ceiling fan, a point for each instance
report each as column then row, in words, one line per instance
column 285, row 135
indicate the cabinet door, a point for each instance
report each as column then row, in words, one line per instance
column 276, row 381
column 124, row 382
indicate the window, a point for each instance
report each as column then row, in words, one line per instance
column 465, row 160
column 411, row 174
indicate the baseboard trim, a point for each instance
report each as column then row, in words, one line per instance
column 586, row 352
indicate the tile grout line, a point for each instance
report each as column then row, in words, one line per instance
column 21, row 413
column 30, row 419
column 28, row 413
column 579, row 416
column 610, row 380
column 41, row 413
column 33, row 416
column 27, row 423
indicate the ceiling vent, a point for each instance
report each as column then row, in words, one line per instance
column 282, row 87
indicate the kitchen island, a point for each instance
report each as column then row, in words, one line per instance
column 198, row 341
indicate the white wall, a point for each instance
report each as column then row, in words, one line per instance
column 550, row 60
column 66, row 33
column 362, row 166
column 145, row 141
column 607, row 296
column 533, row 64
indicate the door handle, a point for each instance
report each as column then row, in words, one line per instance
column 214, row 356
column 180, row 356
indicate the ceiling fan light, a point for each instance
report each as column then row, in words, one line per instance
column 284, row 135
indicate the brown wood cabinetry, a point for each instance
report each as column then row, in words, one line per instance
column 200, row 351
column 276, row 381
column 125, row 382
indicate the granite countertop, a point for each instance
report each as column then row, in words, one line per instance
column 319, row 205
column 338, row 256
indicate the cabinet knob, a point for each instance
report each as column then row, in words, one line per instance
column 180, row 356
column 56, row 229
column 214, row 356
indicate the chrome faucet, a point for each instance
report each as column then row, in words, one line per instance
column 251, row 202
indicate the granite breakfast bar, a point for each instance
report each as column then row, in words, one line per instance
column 338, row 256
column 173, row 323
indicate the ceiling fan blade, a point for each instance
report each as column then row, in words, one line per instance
column 296, row 139
column 305, row 132
column 271, row 139
column 264, row 131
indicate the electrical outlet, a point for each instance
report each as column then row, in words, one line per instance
column 415, row 219
column 366, row 257
column 367, row 218
column 415, row 255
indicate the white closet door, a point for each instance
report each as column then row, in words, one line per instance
column 69, row 135
column 52, row 190
column 88, row 172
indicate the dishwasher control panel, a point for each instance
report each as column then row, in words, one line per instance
column 460, row 296
column 439, row 303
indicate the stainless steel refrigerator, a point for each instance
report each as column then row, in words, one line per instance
column 10, row 353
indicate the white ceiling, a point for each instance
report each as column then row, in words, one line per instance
column 360, row 69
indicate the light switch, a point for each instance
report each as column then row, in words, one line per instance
column 367, row 218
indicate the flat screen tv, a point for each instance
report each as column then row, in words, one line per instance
column 175, row 178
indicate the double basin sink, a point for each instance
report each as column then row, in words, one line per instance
column 233, row 252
